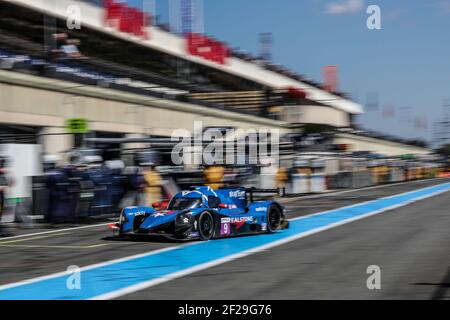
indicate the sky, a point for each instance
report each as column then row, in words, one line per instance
column 404, row 66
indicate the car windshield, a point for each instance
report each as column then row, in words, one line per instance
column 184, row 203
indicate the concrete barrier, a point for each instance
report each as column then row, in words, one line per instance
column 300, row 183
column 317, row 182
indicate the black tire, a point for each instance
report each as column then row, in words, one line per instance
column 205, row 226
column 274, row 218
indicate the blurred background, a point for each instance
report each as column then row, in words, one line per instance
column 91, row 92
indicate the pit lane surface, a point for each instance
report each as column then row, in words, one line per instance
column 409, row 244
column 280, row 271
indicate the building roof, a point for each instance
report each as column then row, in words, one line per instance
column 92, row 16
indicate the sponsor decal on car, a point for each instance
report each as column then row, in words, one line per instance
column 162, row 213
column 236, row 219
column 237, row 222
column 236, row 194
column 158, row 214
column 241, row 219
column 225, row 227
column 259, row 209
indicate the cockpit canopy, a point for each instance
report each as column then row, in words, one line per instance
column 181, row 203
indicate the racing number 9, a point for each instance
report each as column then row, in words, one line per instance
column 225, row 229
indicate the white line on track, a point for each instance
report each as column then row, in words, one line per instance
column 154, row 282
column 32, row 238
column 335, row 193
column 58, row 230
column 374, row 200
column 92, row 246
column 286, row 201
column 92, row 266
column 147, row 284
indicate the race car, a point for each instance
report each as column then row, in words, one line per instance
column 203, row 213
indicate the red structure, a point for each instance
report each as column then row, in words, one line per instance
column 296, row 93
column 330, row 75
column 126, row 19
column 207, row 48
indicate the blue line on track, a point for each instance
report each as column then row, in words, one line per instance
column 105, row 279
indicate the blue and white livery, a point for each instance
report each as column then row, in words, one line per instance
column 203, row 213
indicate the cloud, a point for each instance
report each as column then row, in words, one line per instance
column 344, row 7
column 443, row 6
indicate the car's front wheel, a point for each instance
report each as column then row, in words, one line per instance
column 274, row 218
column 205, row 226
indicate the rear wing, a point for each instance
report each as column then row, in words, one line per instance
column 240, row 196
column 251, row 191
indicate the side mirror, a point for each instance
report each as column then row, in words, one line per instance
column 163, row 205
column 222, row 206
column 156, row 205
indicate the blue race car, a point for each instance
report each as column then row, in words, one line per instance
column 203, row 213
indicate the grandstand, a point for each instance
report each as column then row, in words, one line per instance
column 159, row 66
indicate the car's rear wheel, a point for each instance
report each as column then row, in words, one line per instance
column 274, row 218
column 205, row 226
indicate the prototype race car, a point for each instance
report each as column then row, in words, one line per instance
column 203, row 213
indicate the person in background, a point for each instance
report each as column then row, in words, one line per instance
column 153, row 189
column 3, row 187
column 214, row 176
column 282, row 177
column 70, row 49
column 60, row 203
column 134, row 183
column 66, row 48
column 117, row 186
